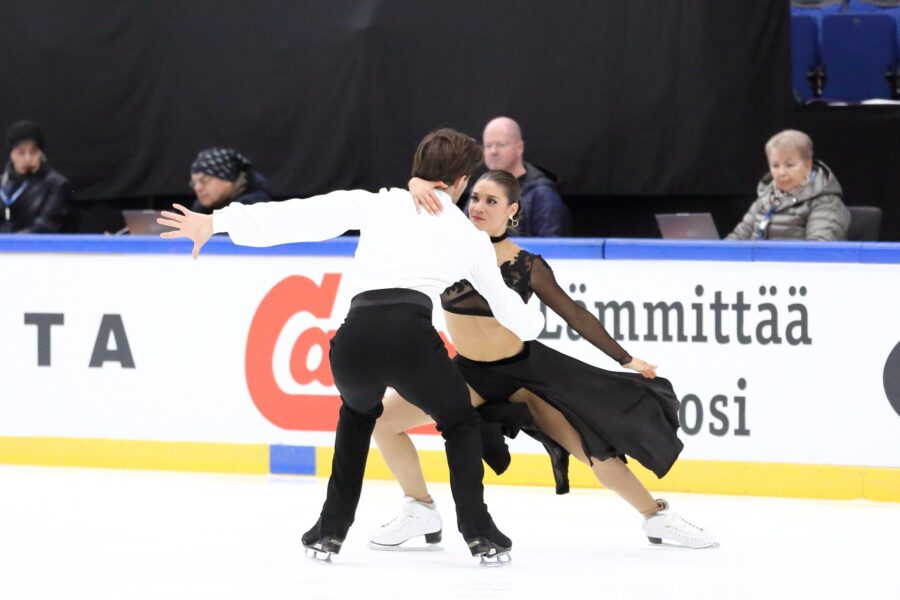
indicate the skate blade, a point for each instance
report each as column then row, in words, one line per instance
column 319, row 556
column 404, row 548
column 493, row 559
column 667, row 544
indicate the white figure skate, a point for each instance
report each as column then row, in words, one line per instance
column 416, row 519
column 666, row 525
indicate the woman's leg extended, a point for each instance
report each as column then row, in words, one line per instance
column 397, row 449
column 612, row 473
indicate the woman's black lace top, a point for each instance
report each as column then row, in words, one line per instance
column 527, row 274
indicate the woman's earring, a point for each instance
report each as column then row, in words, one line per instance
column 514, row 223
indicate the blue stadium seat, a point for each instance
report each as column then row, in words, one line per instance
column 860, row 6
column 816, row 8
column 881, row 7
column 805, row 56
column 858, row 51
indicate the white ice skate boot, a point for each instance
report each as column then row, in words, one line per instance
column 414, row 520
column 666, row 525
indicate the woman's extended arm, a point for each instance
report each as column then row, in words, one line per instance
column 578, row 318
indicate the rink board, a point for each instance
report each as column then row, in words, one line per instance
column 786, row 357
column 711, row 477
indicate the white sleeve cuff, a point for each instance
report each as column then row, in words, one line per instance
column 220, row 221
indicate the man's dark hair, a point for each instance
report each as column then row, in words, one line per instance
column 446, row 154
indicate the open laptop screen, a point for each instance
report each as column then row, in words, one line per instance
column 687, row 226
column 143, row 222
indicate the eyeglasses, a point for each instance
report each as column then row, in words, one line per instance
column 497, row 145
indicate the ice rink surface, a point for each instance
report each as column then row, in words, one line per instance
column 86, row 533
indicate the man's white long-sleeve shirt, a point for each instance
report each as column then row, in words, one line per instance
column 398, row 247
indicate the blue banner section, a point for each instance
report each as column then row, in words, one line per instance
column 591, row 248
column 740, row 251
column 292, row 460
column 836, row 252
column 888, row 252
column 571, row 248
column 622, row 249
column 149, row 244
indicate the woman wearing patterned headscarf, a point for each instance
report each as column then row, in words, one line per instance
column 220, row 176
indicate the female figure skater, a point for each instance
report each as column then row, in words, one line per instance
column 598, row 416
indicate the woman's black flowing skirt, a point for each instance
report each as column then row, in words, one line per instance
column 614, row 413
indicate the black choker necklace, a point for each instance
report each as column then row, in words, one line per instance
column 499, row 238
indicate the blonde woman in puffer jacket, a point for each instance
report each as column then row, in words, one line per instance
column 799, row 199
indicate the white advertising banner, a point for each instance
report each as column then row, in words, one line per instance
column 773, row 362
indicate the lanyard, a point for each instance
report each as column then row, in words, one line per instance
column 9, row 200
column 764, row 224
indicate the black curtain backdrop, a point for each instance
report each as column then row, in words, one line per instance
column 862, row 146
column 642, row 97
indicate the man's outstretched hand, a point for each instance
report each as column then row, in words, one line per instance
column 187, row 224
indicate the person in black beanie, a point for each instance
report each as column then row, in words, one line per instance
column 34, row 197
column 220, row 176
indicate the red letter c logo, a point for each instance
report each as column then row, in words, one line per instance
column 292, row 411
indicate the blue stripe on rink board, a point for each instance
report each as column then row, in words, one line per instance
column 149, row 244
column 714, row 250
column 292, row 460
column 839, row 252
column 885, row 253
column 742, row 251
column 222, row 245
column 591, row 248
column 570, row 248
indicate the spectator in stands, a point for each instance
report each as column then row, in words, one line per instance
column 799, row 199
column 542, row 212
column 220, row 176
column 35, row 198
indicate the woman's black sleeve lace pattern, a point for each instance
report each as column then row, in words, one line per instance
column 578, row 318
column 516, row 274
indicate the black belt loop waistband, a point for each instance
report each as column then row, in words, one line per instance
column 390, row 296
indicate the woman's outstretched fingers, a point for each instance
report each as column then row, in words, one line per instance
column 167, row 214
column 168, row 222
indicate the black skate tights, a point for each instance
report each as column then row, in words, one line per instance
column 386, row 340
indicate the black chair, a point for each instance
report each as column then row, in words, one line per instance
column 865, row 224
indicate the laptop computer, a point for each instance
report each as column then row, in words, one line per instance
column 143, row 222
column 687, row 226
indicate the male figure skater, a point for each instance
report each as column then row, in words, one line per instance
column 403, row 259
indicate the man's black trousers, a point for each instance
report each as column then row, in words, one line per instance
column 386, row 340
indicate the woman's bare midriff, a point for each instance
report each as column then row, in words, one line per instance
column 482, row 338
